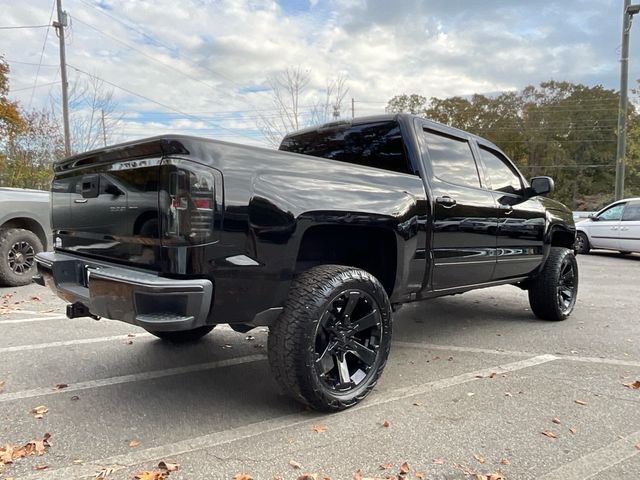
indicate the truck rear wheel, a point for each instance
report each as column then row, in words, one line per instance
column 183, row 336
column 18, row 249
column 330, row 344
column 553, row 292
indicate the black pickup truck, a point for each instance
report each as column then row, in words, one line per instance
column 319, row 241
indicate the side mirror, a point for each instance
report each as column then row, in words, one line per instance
column 113, row 190
column 542, row 185
column 594, row 217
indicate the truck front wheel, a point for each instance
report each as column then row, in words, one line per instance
column 553, row 292
column 330, row 344
column 18, row 249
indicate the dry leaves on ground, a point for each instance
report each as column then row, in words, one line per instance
column 505, row 461
column 491, row 476
column 39, row 411
column 386, row 466
column 40, row 467
column 133, row 443
column 320, row 428
column 419, row 475
column 479, row 458
column 242, row 476
column 168, row 466
column 104, row 473
column 151, row 475
column 386, row 424
column 555, row 420
column 572, row 429
column 1, row 385
column 437, row 461
column 634, row 385
column 9, row 452
column 580, row 402
column 294, row 464
column 60, row 386
column 637, row 446
column 548, row 433
column 404, row 468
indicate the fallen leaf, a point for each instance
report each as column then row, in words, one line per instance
column 404, row 468
column 437, row 461
column 320, row 428
column 168, row 466
column 1, row 385
column 386, row 466
column 555, row 420
column 479, row 458
column 60, row 386
column 386, row 424
column 150, row 475
column 294, row 464
column 38, row 412
column 104, row 473
column 495, row 476
column 635, row 385
column 419, row 475
column 133, row 443
column 35, row 298
column 357, row 475
column 417, row 404
column 637, row 446
column 242, row 476
column 308, row 476
column 131, row 335
column 548, row 433
column 40, row 467
column 572, row 429
column 580, row 402
column 77, row 461
column 505, row 461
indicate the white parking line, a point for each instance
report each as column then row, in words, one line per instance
column 120, row 462
column 594, row 463
column 572, row 358
column 33, row 319
column 134, row 377
column 68, row 343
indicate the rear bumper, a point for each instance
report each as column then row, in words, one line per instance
column 132, row 296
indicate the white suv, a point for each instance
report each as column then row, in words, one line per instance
column 615, row 227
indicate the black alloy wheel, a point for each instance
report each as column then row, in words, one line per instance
column 330, row 344
column 21, row 257
column 347, row 340
column 566, row 290
column 553, row 291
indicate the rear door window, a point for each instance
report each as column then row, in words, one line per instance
column 452, row 159
column 632, row 212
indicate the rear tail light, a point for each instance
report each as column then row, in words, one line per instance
column 188, row 203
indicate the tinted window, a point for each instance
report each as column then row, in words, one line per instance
column 500, row 173
column 612, row 213
column 376, row 145
column 632, row 212
column 452, row 159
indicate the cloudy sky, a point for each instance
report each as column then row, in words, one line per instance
column 200, row 66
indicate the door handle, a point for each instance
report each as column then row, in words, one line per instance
column 446, row 201
column 507, row 209
column 624, row 229
column 614, row 228
column 80, row 200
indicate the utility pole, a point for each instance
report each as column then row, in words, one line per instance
column 104, row 130
column 629, row 12
column 353, row 107
column 60, row 26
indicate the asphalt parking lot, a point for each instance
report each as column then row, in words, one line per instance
column 472, row 383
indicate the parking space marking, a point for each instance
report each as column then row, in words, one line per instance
column 133, row 377
column 33, row 319
column 68, row 343
column 594, row 463
column 572, row 358
column 120, row 462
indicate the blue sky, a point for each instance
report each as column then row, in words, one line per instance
column 202, row 66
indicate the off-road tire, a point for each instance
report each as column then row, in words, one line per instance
column 183, row 336
column 545, row 287
column 10, row 239
column 582, row 243
column 291, row 343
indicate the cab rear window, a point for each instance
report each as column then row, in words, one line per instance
column 377, row 144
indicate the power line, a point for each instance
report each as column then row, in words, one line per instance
column 15, row 27
column 168, row 107
column 35, row 86
column 31, row 63
column 44, row 46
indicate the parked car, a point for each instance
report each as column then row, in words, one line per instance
column 615, row 227
column 25, row 230
column 319, row 241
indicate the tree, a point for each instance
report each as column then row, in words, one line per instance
column 93, row 119
column 296, row 107
column 10, row 119
column 414, row 104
